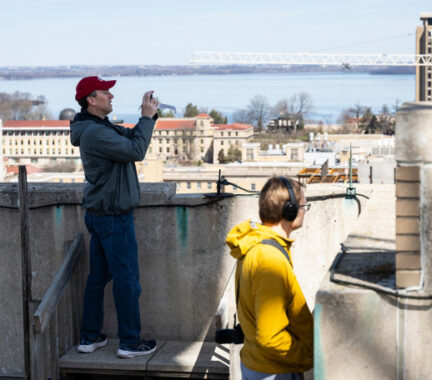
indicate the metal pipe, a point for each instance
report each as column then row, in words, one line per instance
column 26, row 276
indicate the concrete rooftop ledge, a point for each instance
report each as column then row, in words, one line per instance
column 354, row 330
column 46, row 194
column 368, row 253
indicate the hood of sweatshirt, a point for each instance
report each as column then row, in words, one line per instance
column 247, row 234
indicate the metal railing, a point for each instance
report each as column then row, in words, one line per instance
column 240, row 58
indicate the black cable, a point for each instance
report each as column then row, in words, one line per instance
column 217, row 199
column 374, row 287
column 225, row 182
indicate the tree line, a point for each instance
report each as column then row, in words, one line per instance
column 259, row 112
column 23, row 106
column 366, row 121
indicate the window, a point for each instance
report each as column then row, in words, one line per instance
column 202, row 150
column 199, row 185
column 188, row 185
column 221, row 133
column 294, row 154
column 222, row 142
column 160, row 150
column 202, row 141
column 253, row 187
column 236, row 133
column 167, row 149
column 160, row 141
column 229, row 133
column 209, row 185
column 249, row 154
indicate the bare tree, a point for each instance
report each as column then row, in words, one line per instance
column 242, row 116
column 294, row 110
column 260, row 111
column 301, row 104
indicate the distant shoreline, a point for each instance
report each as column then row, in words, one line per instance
column 42, row 72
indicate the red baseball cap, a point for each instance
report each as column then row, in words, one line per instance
column 89, row 84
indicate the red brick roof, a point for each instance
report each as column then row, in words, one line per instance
column 203, row 116
column 35, row 123
column 171, row 124
column 235, row 126
column 30, row 169
column 176, row 124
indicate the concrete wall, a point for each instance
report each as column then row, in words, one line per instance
column 382, row 169
column 356, row 328
column 183, row 259
column 372, row 329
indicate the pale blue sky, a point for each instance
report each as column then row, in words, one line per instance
column 140, row 32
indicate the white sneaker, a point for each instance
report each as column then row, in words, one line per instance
column 87, row 345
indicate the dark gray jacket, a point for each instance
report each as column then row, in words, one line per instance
column 108, row 153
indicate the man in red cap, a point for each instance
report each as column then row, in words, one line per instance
column 108, row 154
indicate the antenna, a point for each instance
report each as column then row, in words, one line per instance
column 350, row 191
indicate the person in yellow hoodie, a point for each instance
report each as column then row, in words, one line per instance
column 271, row 308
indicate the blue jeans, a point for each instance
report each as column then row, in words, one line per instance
column 113, row 255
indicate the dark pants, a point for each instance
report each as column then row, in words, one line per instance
column 113, row 255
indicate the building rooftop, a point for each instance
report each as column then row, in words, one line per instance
column 425, row 15
column 234, row 126
column 35, row 123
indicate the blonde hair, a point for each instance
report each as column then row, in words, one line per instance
column 273, row 197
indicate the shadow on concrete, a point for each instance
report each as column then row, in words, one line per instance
column 373, row 266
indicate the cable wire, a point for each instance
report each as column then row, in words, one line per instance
column 363, row 43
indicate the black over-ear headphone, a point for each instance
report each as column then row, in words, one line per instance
column 290, row 208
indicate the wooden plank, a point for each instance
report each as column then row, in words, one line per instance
column 57, row 287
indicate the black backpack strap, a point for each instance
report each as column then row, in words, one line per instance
column 275, row 244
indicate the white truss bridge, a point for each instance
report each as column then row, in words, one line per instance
column 346, row 60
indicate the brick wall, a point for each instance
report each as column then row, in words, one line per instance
column 407, row 226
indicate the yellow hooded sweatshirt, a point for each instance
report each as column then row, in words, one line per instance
column 272, row 311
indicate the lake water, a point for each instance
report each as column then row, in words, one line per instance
column 330, row 92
